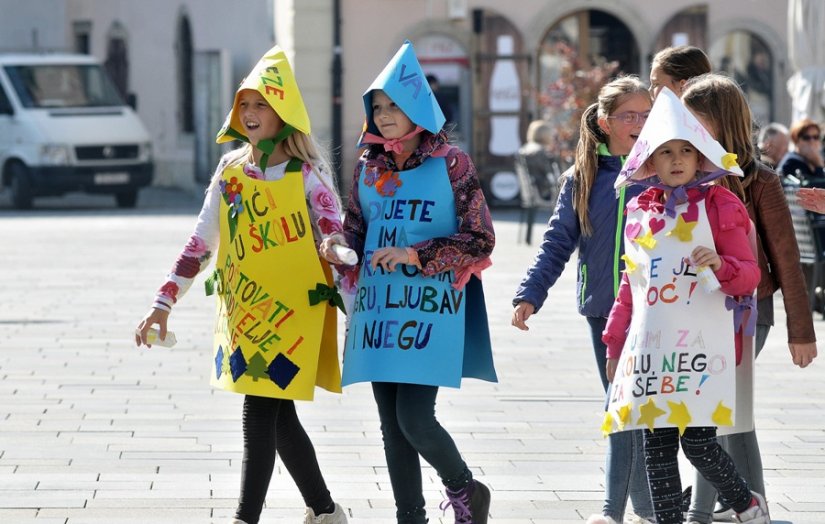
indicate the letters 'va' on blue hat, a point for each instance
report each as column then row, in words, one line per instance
column 404, row 82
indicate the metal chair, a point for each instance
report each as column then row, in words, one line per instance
column 809, row 229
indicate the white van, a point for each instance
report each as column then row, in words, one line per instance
column 64, row 127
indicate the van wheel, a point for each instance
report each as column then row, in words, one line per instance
column 21, row 186
column 127, row 199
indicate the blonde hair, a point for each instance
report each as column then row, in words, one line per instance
column 539, row 131
column 611, row 96
column 297, row 145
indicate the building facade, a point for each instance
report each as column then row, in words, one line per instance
column 498, row 65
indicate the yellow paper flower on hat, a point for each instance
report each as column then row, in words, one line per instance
column 729, row 160
column 271, row 77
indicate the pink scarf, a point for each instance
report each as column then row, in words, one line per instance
column 396, row 145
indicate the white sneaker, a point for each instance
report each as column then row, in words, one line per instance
column 755, row 514
column 636, row 519
column 338, row 516
column 724, row 515
column 600, row 519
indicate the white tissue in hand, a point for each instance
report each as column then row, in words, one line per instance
column 345, row 254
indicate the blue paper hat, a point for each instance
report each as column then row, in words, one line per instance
column 404, row 82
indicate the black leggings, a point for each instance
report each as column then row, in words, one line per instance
column 706, row 455
column 271, row 425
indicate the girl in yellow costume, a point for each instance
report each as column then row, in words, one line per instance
column 275, row 330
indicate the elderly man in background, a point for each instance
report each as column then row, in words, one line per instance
column 773, row 143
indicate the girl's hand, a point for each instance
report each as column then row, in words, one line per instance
column 521, row 313
column 704, row 256
column 802, row 354
column 155, row 316
column 326, row 248
column 812, row 199
column 389, row 257
column 610, row 368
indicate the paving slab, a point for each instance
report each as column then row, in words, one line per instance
column 94, row 431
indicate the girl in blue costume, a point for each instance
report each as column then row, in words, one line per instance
column 590, row 217
column 418, row 221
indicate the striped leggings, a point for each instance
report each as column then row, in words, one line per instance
column 706, row 455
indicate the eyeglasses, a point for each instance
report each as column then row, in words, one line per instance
column 808, row 137
column 631, row 117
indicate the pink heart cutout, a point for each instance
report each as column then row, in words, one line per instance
column 656, row 225
column 633, row 230
column 692, row 213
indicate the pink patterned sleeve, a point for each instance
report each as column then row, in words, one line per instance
column 196, row 254
column 323, row 203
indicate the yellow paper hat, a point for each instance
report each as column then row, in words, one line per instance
column 272, row 77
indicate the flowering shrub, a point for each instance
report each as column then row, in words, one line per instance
column 562, row 101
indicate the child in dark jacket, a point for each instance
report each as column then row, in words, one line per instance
column 589, row 215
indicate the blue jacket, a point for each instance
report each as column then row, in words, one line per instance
column 599, row 265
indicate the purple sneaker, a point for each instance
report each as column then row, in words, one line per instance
column 471, row 504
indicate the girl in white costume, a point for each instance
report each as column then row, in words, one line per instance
column 681, row 216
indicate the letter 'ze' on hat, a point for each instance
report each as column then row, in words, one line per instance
column 272, row 77
column 404, row 82
column 668, row 120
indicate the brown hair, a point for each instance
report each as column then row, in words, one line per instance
column 682, row 62
column 720, row 101
column 611, row 96
column 800, row 126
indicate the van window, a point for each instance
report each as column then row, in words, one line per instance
column 5, row 104
column 69, row 85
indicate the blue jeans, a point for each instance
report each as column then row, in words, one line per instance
column 743, row 448
column 409, row 429
column 624, row 469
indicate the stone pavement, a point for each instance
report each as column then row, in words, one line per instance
column 94, row 431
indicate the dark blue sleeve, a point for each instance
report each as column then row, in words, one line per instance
column 560, row 240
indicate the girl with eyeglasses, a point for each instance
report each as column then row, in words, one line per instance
column 590, row 217
column 805, row 162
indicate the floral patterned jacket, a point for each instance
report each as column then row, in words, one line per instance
column 324, row 212
column 475, row 238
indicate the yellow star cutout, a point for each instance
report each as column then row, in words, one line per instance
column 624, row 415
column 650, row 411
column 646, row 241
column 729, row 160
column 629, row 265
column 683, row 230
column 679, row 415
column 607, row 424
column 722, row 415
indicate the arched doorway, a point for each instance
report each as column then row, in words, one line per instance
column 501, row 104
column 446, row 62
column 687, row 27
column 745, row 57
column 577, row 56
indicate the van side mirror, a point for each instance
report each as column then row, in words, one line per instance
column 131, row 101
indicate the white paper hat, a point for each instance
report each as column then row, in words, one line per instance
column 669, row 119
